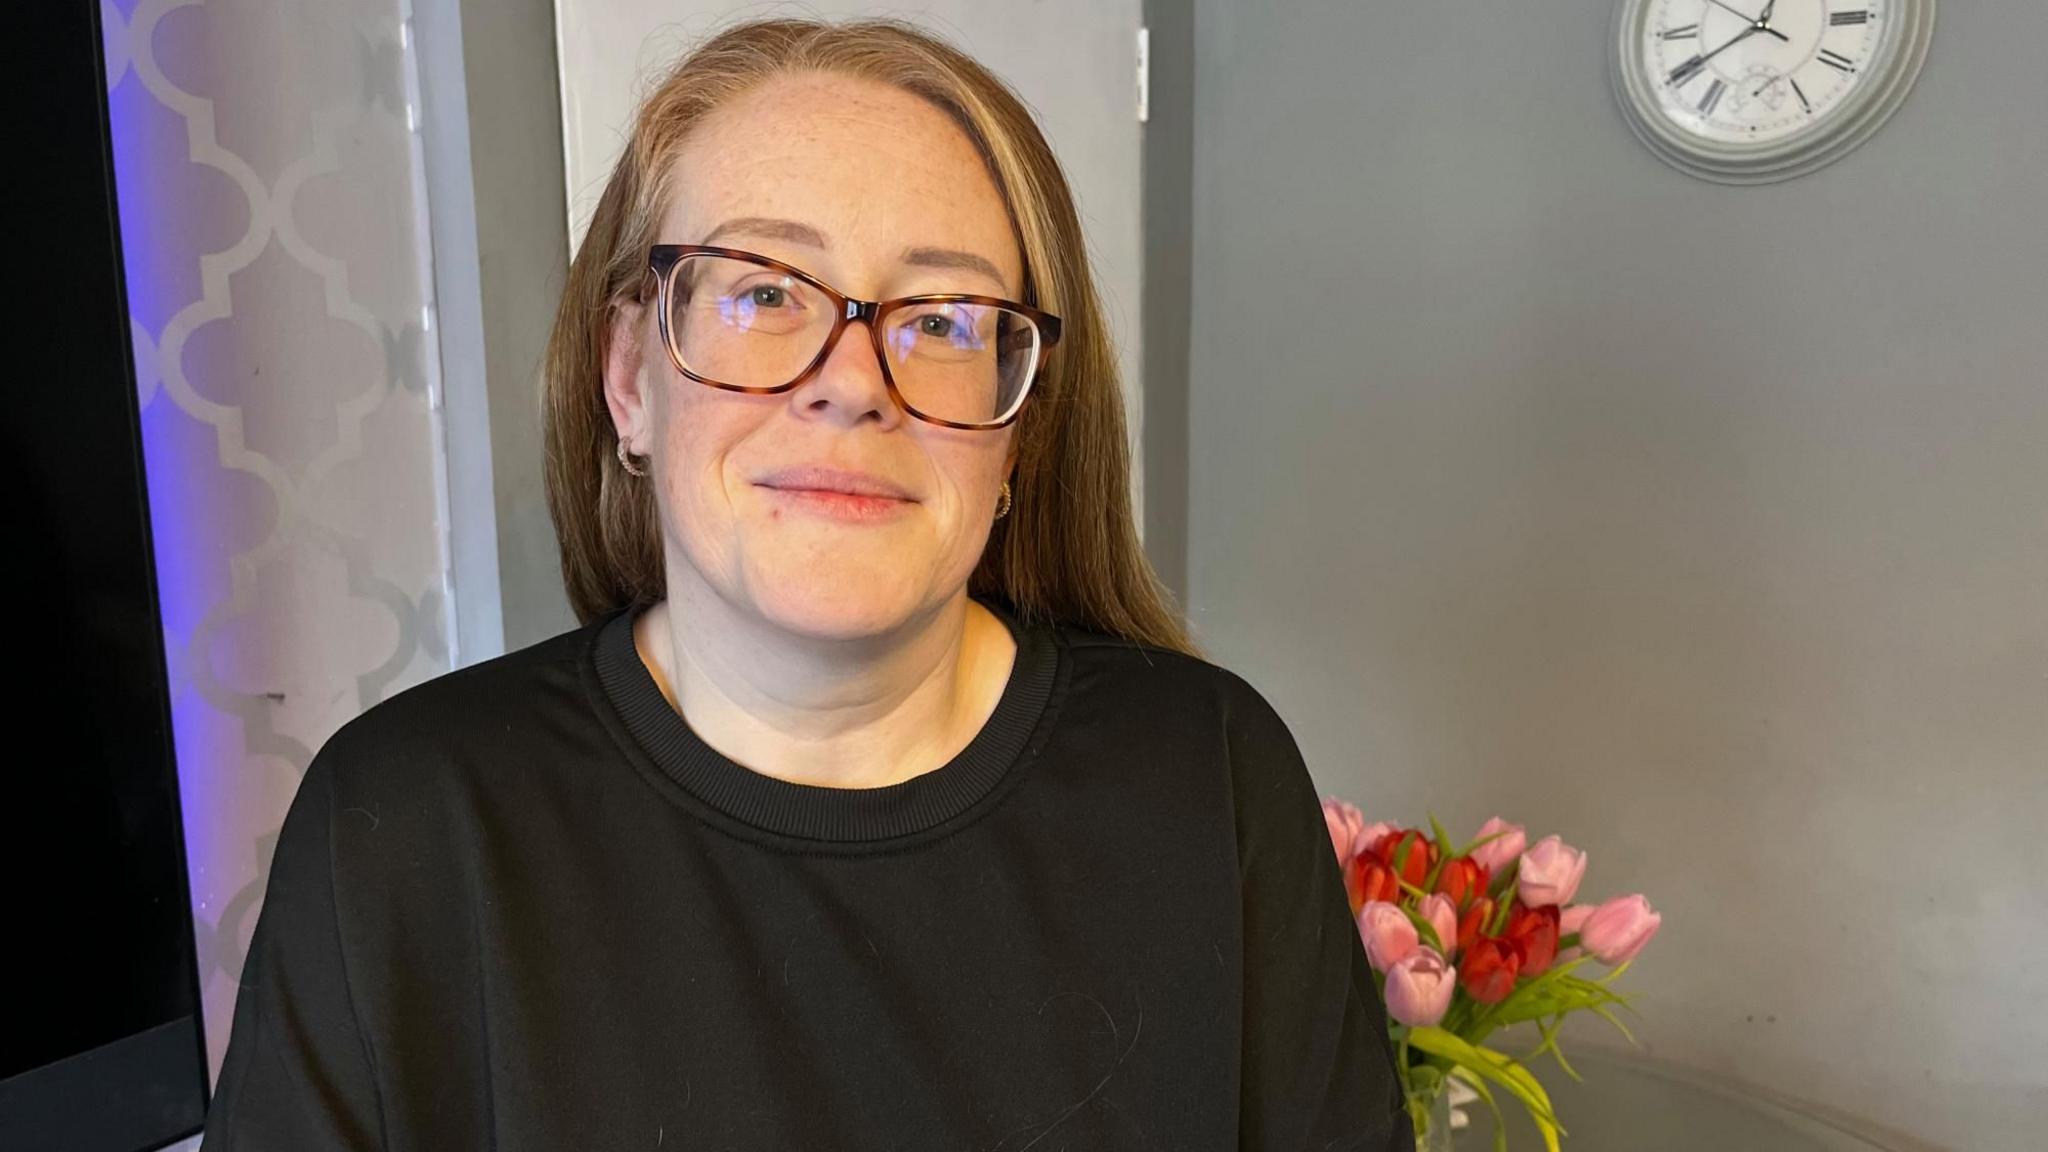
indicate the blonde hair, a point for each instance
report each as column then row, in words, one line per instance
column 1068, row 551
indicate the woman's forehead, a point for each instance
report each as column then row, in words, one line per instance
column 845, row 168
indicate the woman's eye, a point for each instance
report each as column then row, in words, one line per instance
column 935, row 325
column 766, row 295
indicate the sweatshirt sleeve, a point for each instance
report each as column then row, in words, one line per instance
column 1317, row 1070
column 297, row 1073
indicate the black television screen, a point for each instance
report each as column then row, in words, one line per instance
column 100, row 1046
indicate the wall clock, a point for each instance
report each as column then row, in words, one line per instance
column 1750, row 91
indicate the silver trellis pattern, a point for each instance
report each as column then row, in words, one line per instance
column 273, row 219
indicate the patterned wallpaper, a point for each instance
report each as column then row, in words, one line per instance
column 280, row 284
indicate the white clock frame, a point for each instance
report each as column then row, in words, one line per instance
column 1893, row 65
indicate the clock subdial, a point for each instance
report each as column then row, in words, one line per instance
column 1756, row 71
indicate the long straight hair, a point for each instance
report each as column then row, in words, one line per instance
column 1068, row 551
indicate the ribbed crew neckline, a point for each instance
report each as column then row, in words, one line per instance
column 814, row 811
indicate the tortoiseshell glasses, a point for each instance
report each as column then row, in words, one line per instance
column 748, row 323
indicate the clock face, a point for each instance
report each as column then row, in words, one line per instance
column 1757, row 71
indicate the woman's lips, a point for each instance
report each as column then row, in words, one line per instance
column 838, row 505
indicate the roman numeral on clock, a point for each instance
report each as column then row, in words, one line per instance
column 1803, row 101
column 1860, row 16
column 1687, row 71
column 1836, row 60
column 1712, row 98
column 1681, row 33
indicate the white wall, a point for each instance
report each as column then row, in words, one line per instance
column 1706, row 526
column 1072, row 61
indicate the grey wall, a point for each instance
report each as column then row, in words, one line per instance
column 1704, row 525
column 1167, row 184
column 515, row 130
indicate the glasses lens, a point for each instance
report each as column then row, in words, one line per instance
column 967, row 363
column 737, row 322
column 742, row 323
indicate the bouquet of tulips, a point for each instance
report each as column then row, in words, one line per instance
column 1466, row 939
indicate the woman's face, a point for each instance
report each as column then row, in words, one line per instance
column 878, row 194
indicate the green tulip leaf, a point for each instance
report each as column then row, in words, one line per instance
column 1427, row 931
column 1502, row 1070
column 1507, row 905
column 1477, row 1083
column 1506, row 879
column 1443, row 839
column 1549, row 1031
column 1611, row 1018
column 1483, row 841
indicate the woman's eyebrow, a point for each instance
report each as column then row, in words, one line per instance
column 796, row 232
column 952, row 258
column 769, row 228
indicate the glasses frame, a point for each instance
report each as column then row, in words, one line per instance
column 664, row 259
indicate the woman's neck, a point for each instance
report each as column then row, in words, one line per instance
column 833, row 713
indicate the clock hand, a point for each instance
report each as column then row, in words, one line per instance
column 1764, row 21
column 1760, row 23
column 1745, row 34
column 1747, row 19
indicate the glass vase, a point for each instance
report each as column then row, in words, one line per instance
column 1434, row 1135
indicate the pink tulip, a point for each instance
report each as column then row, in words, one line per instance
column 1442, row 916
column 1570, row 921
column 1419, row 988
column 1389, row 936
column 1550, row 872
column 1346, row 822
column 1495, row 855
column 1618, row 929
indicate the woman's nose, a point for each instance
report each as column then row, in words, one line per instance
column 849, row 384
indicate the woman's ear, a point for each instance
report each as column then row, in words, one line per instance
column 623, row 392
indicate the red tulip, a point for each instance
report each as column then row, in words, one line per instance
column 1367, row 878
column 1532, row 933
column 1472, row 924
column 1488, row 970
column 1409, row 853
column 1462, row 879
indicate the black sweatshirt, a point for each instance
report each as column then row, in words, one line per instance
column 524, row 907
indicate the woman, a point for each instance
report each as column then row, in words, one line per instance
column 879, row 802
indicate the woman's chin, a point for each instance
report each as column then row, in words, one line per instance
column 834, row 601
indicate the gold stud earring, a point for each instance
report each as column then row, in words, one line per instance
column 1003, row 505
column 626, row 461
